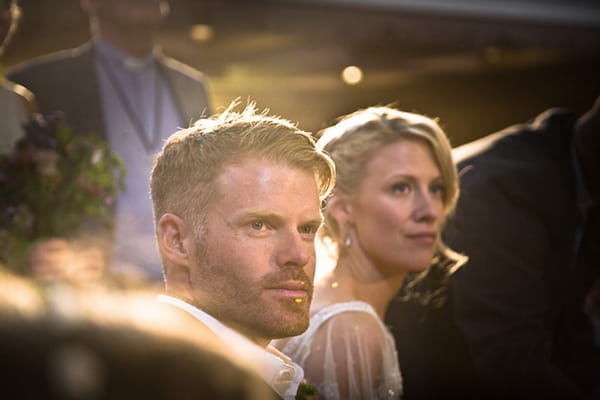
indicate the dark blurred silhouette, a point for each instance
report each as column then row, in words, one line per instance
column 72, row 344
column 122, row 87
column 529, row 220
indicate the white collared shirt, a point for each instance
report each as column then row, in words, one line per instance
column 274, row 367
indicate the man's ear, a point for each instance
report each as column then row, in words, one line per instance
column 174, row 239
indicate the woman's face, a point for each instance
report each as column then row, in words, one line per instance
column 398, row 210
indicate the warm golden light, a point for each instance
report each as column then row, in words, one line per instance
column 298, row 300
column 334, row 285
column 352, row 75
column 201, row 32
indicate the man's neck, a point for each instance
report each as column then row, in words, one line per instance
column 134, row 44
column 262, row 342
column 247, row 333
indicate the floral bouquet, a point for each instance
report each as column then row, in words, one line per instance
column 53, row 184
column 307, row 391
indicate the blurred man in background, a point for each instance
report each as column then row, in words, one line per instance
column 121, row 86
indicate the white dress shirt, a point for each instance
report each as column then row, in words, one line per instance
column 274, row 367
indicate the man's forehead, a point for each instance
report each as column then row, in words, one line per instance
column 259, row 169
column 259, row 182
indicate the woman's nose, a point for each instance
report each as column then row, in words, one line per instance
column 427, row 207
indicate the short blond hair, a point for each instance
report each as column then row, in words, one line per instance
column 184, row 172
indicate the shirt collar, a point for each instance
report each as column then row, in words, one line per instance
column 118, row 57
column 274, row 367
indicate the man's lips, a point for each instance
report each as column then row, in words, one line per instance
column 290, row 289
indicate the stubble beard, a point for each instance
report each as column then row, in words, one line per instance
column 242, row 305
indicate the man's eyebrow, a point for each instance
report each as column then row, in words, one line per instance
column 260, row 214
column 273, row 216
column 315, row 221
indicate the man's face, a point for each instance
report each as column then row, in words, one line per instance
column 255, row 262
column 131, row 14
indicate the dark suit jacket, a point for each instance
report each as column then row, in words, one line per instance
column 66, row 81
column 519, row 300
column 513, row 326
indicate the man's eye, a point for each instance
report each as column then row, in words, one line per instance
column 257, row 225
column 308, row 229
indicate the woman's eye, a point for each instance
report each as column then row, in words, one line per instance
column 401, row 187
column 257, row 225
column 438, row 188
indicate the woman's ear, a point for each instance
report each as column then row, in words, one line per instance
column 174, row 238
column 339, row 207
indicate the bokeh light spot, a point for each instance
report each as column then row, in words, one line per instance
column 352, row 75
column 201, row 32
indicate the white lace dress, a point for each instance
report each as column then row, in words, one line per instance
column 348, row 353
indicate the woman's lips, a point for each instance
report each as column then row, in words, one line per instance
column 423, row 238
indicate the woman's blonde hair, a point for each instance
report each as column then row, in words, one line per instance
column 352, row 143
column 354, row 140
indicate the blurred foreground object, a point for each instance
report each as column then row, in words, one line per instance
column 73, row 344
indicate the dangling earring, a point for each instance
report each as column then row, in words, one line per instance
column 348, row 240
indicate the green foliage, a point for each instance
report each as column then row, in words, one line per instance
column 307, row 391
column 54, row 184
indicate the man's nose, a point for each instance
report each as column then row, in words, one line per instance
column 294, row 250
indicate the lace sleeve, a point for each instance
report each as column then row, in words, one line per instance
column 352, row 356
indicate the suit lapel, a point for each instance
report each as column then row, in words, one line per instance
column 88, row 92
column 190, row 102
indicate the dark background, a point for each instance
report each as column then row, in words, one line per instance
column 476, row 73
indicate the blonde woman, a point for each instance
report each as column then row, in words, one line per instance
column 395, row 185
